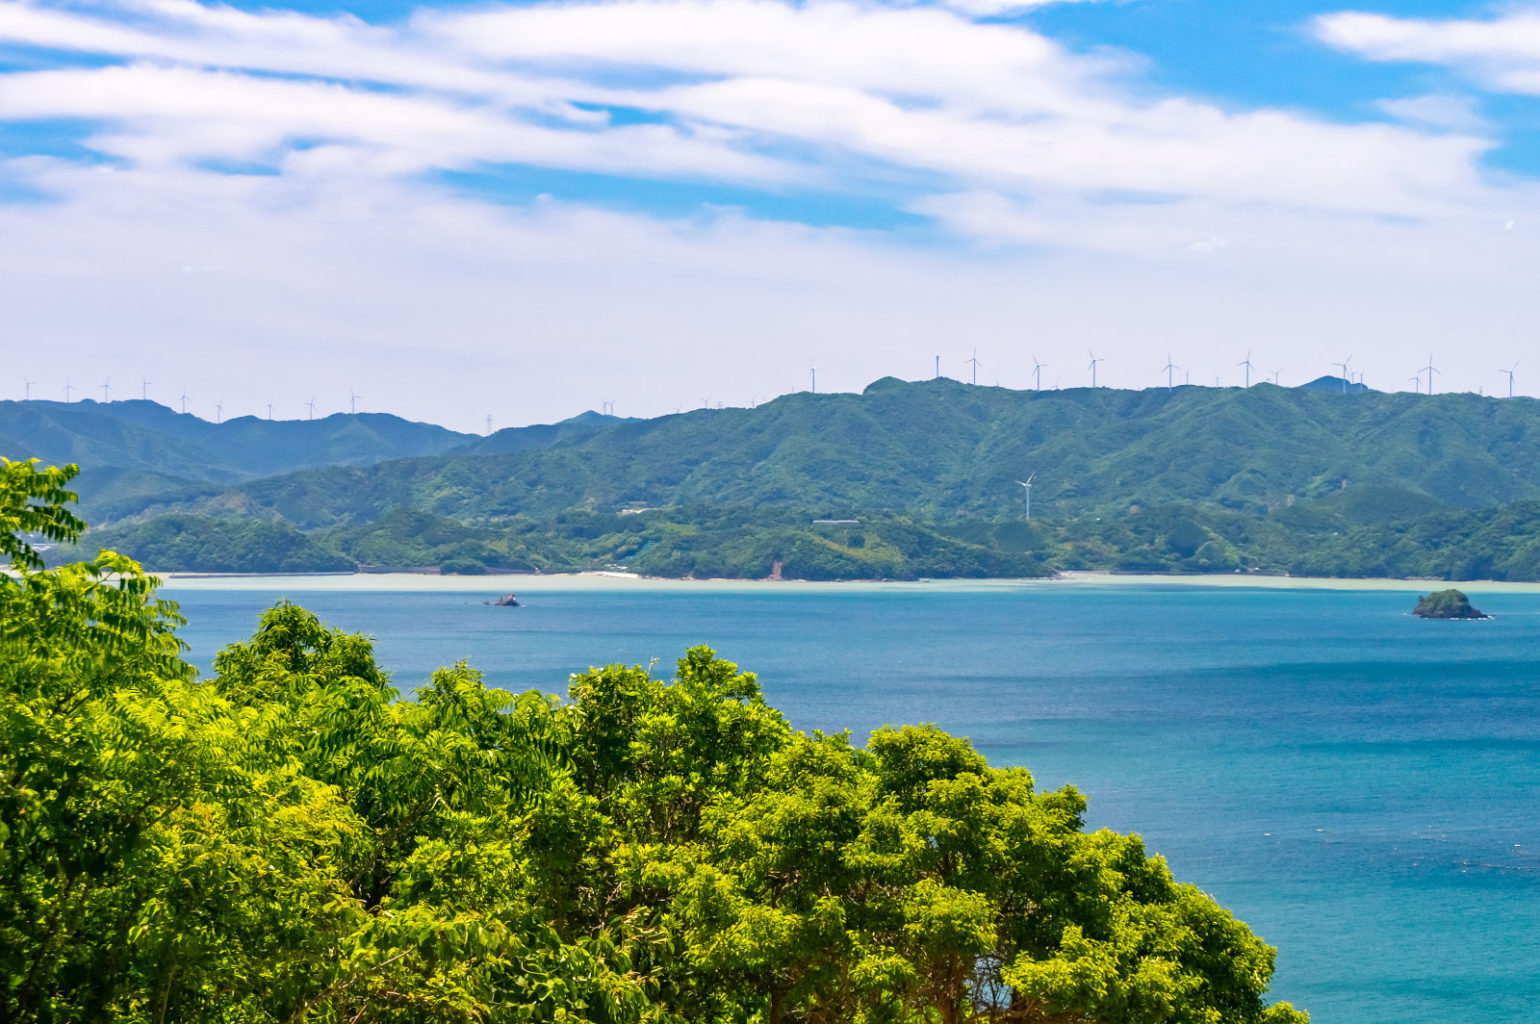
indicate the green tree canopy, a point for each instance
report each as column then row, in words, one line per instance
column 289, row 841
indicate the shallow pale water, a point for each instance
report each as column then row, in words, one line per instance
column 1361, row 787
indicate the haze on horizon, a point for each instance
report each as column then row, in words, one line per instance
column 527, row 210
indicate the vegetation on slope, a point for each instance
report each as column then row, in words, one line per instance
column 137, row 452
column 289, row 842
column 1186, row 480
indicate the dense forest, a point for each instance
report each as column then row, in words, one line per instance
column 903, row 481
column 288, row 840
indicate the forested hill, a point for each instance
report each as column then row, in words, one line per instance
column 942, row 449
column 1275, row 477
column 133, row 452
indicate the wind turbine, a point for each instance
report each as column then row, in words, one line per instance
column 269, row 412
column 1037, row 372
column 1509, row 372
column 938, row 368
column 311, row 405
column 184, row 403
column 1416, row 383
column 1027, row 483
column 68, row 388
column 489, row 424
column 28, row 385
column 1344, row 367
column 975, row 363
column 1247, row 364
column 219, row 412
column 812, row 375
column 1432, row 371
column 353, row 402
column 106, row 390
column 144, row 388
column 1275, row 376
column 1170, row 369
column 1094, row 361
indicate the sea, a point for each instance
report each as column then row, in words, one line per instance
column 1360, row 786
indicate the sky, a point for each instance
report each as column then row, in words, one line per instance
column 521, row 211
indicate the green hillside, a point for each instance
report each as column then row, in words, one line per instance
column 136, row 452
column 1188, row 479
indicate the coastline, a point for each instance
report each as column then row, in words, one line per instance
column 497, row 584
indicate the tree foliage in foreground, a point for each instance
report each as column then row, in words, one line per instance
column 287, row 841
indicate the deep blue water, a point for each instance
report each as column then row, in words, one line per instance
column 1360, row 786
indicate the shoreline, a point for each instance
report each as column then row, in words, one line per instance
column 497, row 584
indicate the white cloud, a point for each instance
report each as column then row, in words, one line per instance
column 829, row 93
column 1439, row 111
column 1501, row 53
column 1074, row 206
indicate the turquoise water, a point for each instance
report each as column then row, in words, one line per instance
column 1360, row 786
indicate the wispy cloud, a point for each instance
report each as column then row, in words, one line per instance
column 1062, row 196
column 1500, row 53
column 828, row 94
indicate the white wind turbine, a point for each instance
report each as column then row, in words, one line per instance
column 1037, row 372
column 1247, row 364
column 1094, row 361
column 1170, row 369
column 1509, row 372
column 1027, row 485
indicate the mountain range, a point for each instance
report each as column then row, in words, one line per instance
column 1183, row 479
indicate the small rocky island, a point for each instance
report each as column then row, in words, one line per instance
column 1446, row 604
column 506, row 601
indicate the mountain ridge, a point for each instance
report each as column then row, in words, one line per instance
column 1180, row 479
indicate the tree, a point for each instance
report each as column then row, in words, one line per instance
column 289, row 841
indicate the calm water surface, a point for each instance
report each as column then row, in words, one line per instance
column 1360, row 786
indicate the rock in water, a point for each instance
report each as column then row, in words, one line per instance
column 1446, row 604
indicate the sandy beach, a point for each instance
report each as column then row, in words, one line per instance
column 494, row 585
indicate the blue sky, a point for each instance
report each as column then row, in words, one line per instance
column 524, row 210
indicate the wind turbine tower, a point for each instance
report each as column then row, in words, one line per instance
column 270, row 412
column 1416, row 383
column 938, row 368
column 1432, row 371
column 1094, row 361
column 1170, row 369
column 812, row 376
column 1247, row 364
column 144, row 388
column 311, row 406
column 28, row 385
column 974, row 362
column 1343, row 366
column 68, row 389
column 1509, row 372
column 1037, row 372
column 1027, row 486
column 184, row 403
column 106, row 390
column 353, row 402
